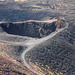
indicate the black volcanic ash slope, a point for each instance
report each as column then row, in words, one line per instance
column 57, row 53
column 32, row 29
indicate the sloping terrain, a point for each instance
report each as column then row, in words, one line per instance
column 7, row 67
column 53, row 56
column 34, row 40
column 14, row 45
column 10, row 61
column 56, row 56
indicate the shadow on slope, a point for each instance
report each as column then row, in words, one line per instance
column 32, row 29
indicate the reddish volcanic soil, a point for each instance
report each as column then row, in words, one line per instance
column 7, row 67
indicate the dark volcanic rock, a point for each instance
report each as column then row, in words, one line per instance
column 32, row 29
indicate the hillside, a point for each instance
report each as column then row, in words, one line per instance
column 37, row 37
column 56, row 56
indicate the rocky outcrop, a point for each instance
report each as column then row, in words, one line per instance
column 36, row 29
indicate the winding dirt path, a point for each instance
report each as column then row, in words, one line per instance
column 33, row 43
